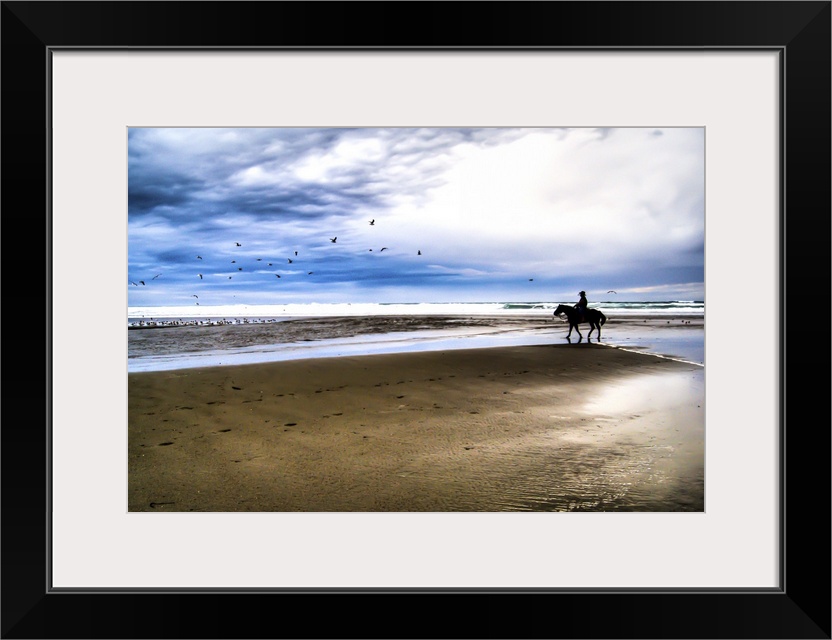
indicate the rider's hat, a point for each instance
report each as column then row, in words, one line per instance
column 582, row 293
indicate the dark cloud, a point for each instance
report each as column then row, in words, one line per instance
column 159, row 190
column 198, row 191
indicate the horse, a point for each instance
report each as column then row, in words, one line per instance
column 593, row 317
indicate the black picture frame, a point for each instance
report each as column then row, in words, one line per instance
column 799, row 608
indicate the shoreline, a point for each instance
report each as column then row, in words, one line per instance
column 192, row 346
column 580, row 427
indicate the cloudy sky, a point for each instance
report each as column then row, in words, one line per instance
column 462, row 215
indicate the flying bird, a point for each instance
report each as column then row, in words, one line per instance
column 611, row 291
column 200, row 276
column 290, row 260
column 141, row 282
column 310, row 273
column 277, row 274
column 233, row 262
column 333, row 239
column 238, row 244
column 531, row 279
column 270, row 264
column 296, row 253
column 418, row 253
column 372, row 222
column 239, row 268
column 382, row 249
column 195, row 296
column 133, row 283
column 199, row 257
column 156, row 276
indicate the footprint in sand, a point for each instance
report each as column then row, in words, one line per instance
column 223, row 430
column 165, row 444
column 290, row 424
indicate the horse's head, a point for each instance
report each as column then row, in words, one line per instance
column 561, row 308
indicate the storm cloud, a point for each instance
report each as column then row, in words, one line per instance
column 498, row 214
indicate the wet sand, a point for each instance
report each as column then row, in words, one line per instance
column 566, row 427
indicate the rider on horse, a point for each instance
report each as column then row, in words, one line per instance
column 582, row 304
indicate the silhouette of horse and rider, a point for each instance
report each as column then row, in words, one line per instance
column 580, row 314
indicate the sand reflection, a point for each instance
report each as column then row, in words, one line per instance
column 637, row 444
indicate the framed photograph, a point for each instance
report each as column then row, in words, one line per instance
column 117, row 113
column 369, row 315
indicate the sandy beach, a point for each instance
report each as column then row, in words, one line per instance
column 565, row 427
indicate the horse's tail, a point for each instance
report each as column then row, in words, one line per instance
column 603, row 318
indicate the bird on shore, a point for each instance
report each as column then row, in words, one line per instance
column 418, row 253
column 259, row 259
column 270, row 264
column 134, row 284
column 296, row 253
column 239, row 268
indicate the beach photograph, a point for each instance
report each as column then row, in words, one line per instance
column 416, row 319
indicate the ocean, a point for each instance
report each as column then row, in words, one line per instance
column 180, row 337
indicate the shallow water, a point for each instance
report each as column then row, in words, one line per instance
column 256, row 341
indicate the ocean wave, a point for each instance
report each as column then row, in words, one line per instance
column 324, row 310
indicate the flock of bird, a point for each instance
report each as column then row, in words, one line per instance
column 332, row 240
